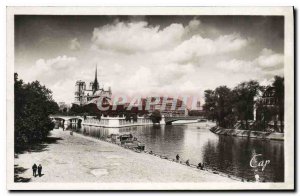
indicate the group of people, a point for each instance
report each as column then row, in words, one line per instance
column 200, row 165
column 38, row 168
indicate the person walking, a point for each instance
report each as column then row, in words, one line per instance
column 34, row 167
column 177, row 157
column 40, row 170
column 187, row 162
column 200, row 166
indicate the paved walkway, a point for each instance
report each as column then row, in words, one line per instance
column 81, row 159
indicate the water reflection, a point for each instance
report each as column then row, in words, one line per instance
column 227, row 154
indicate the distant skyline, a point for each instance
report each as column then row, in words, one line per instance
column 145, row 55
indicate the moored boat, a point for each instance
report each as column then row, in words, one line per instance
column 127, row 140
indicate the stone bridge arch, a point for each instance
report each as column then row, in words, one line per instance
column 68, row 119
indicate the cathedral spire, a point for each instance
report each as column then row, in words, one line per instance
column 96, row 73
column 95, row 84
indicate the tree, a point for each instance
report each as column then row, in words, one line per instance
column 90, row 110
column 244, row 95
column 263, row 116
column 218, row 106
column 33, row 105
column 223, row 106
column 156, row 116
column 210, row 104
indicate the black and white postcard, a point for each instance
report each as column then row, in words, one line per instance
column 156, row 98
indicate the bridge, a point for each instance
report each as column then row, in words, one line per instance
column 170, row 119
column 65, row 119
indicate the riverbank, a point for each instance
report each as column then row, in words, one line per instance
column 248, row 133
column 77, row 158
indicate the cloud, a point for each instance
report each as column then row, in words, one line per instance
column 197, row 47
column 139, row 36
column 270, row 60
column 74, row 44
column 56, row 73
column 194, row 24
column 174, row 43
column 236, row 65
column 59, row 63
column 136, row 36
column 266, row 65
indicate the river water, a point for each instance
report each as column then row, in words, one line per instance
column 195, row 142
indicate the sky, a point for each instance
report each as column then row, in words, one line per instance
column 148, row 55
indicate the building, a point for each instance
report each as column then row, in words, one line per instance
column 268, row 98
column 168, row 106
column 63, row 107
column 92, row 93
column 267, row 111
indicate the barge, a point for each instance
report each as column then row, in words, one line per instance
column 127, row 140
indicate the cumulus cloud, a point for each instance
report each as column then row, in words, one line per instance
column 136, row 36
column 149, row 79
column 59, row 63
column 194, row 24
column 236, row 65
column 174, row 43
column 197, row 46
column 74, row 44
column 56, row 73
column 267, row 64
column 270, row 60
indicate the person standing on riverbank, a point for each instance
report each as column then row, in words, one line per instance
column 40, row 170
column 200, row 166
column 34, row 167
column 177, row 157
column 187, row 163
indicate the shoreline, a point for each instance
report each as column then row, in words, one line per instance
column 164, row 158
column 79, row 158
column 248, row 133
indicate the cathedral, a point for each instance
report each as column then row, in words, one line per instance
column 90, row 94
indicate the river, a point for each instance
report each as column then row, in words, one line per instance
column 195, row 142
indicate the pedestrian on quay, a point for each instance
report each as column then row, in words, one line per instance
column 34, row 167
column 40, row 170
column 187, row 162
column 177, row 157
column 256, row 178
column 200, row 166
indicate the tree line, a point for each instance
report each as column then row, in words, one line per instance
column 234, row 108
column 33, row 104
